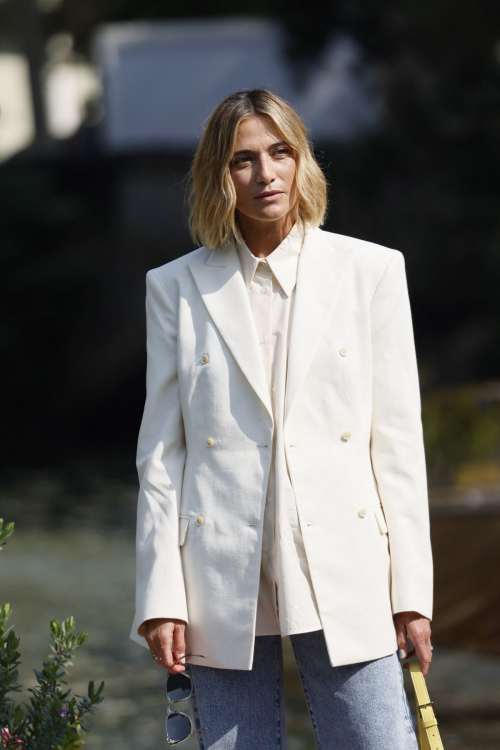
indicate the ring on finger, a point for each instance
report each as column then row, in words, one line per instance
column 156, row 657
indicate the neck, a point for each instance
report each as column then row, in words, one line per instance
column 262, row 237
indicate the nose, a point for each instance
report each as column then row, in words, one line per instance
column 265, row 172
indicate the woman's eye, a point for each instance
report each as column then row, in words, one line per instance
column 283, row 151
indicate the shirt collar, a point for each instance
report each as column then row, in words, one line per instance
column 283, row 260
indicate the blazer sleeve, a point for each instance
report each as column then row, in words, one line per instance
column 397, row 445
column 161, row 455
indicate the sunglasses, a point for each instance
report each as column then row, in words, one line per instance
column 178, row 688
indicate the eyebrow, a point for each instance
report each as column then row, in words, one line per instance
column 249, row 151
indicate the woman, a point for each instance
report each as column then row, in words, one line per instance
column 264, row 512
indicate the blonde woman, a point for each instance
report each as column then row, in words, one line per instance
column 281, row 461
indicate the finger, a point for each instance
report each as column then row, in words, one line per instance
column 156, row 651
column 153, row 646
column 160, row 644
column 424, row 655
column 408, row 656
column 179, row 650
column 425, row 658
column 402, row 640
column 421, row 640
column 167, row 658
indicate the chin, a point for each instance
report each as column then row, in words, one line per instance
column 273, row 213
column 270, row 212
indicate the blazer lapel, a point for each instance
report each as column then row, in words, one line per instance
column 220, row 283
column 320, row 275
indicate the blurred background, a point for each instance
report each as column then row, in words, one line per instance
column 102, row 103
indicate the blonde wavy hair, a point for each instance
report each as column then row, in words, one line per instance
column 211, row 193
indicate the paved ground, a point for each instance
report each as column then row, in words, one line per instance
column 90, row 574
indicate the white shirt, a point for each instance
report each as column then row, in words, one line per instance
column 286, row 601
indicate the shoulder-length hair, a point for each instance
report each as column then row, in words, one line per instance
column 211, row 192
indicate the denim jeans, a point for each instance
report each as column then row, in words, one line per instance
column 355, row 707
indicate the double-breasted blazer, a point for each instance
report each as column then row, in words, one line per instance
column 354, row 449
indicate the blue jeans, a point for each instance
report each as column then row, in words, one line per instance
column 355, row 707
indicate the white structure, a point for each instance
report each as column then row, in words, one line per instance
column 17, row 127
column 161, row 80
column 70, row 84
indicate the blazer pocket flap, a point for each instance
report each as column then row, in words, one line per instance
column 379, row 515
column 183, row 526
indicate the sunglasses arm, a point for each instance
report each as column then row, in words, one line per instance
column 186, row 656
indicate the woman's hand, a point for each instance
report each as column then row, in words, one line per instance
column 415, row 626
column 166, row 638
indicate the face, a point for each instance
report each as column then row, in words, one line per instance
column 263, row 171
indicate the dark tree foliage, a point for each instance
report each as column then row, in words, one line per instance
column 426, row 184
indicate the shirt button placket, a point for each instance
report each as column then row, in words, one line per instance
column 262, row 312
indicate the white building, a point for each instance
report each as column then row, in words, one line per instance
column 162, row 79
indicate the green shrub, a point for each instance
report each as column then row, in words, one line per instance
column 52, row 719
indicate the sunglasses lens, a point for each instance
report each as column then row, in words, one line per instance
column 178, row 726
column 178, row 686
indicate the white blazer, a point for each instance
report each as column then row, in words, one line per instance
column 354, row 448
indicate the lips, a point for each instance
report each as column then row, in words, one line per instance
column 272, row 195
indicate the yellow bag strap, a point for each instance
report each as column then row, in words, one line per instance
column 428, row 732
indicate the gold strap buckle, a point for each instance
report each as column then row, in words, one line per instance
column 424, row 705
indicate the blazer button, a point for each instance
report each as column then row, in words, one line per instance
column 199, row 521
column 343, row 351
column 204, row 358
column 210, row 442
column 346, row 435
column 362, row 512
